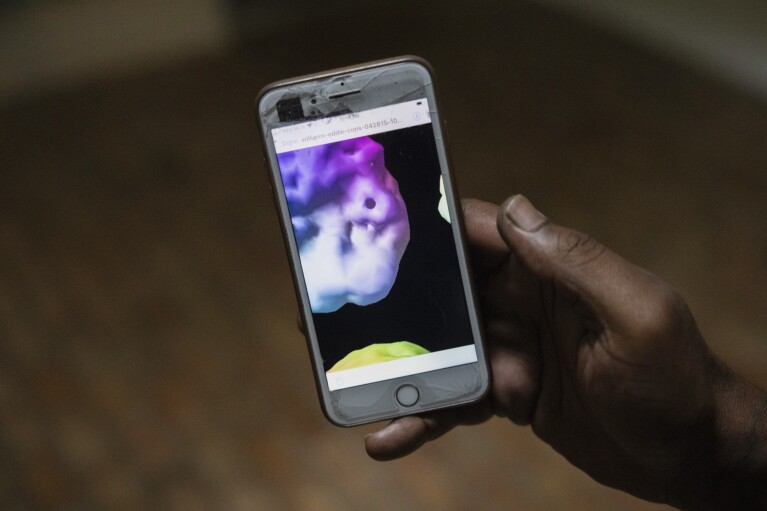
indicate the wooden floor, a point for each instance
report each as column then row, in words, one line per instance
column 148, row 352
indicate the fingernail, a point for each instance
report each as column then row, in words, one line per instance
column 523, row 214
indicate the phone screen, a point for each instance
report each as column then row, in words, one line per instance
column 377, row 247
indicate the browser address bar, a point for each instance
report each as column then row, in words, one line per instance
column 353, row 125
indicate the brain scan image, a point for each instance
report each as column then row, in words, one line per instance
column 350, row 222
column 377, row 353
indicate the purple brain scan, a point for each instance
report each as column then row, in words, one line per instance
column 349, row 219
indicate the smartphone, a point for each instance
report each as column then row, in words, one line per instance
column 375, row 240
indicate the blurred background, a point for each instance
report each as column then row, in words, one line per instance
column 148, row 352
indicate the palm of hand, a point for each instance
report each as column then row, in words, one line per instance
column 610, row 391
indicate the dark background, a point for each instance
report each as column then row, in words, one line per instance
column 426, row 304
column 149, row 355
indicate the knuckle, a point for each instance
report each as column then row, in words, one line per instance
column 517, row 404
column 515, row 390
column 576, row 248
column 665, row 314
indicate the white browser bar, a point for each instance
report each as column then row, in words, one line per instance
column 353, row 125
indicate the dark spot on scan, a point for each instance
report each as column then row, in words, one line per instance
column 370, row 203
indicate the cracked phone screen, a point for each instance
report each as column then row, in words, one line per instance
column 377, row 249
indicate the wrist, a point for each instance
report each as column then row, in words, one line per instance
column 730, row 472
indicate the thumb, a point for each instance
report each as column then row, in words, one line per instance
column 615, row 289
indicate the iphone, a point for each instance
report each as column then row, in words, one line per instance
column 375, row 241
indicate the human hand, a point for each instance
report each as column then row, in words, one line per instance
column 602, row 358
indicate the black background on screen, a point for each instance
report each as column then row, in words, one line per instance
column 427, row 304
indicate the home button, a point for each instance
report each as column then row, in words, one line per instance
column 407, row 395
